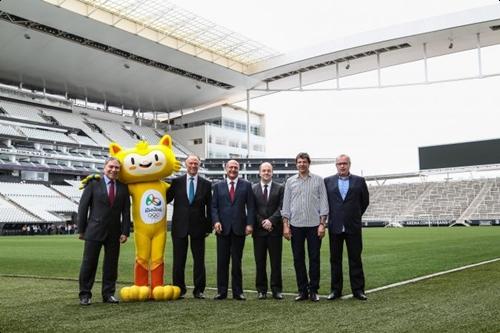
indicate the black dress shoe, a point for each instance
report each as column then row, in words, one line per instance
column 85, row 301
column 277, row 295
column 199, row 295
column 110, row 299
column 220, row 296
column 333, row 296
column 262, row 295
column 314, row 297
column 239, row 297
column 360, row 295
column 301, row 297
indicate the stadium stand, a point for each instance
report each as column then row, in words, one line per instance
column 445, row 201
column 13, row 214
column 116, row 132
column 389, row 202
column 39, row 200
column 489, row 207
column 70, row 143
column 8, row 130
column 22, row 111
column 63, row 139
column 45, row 135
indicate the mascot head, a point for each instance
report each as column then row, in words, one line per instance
column 145, row 163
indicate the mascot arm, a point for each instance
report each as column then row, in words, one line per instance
column 89, row 178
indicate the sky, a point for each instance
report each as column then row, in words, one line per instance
column 381, row 129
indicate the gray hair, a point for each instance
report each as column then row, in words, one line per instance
column 344, row 155
column 192, row 156
column 111, row 158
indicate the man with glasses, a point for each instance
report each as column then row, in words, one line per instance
column 348, row 199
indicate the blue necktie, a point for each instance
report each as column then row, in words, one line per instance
column 191, row 190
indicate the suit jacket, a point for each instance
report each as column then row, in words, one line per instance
column 193, row 219
column 346, row 212
column 96, row 218
column 235, row 215
column 270, row 209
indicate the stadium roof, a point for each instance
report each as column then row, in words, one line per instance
column 106, row 51
column 171, row 20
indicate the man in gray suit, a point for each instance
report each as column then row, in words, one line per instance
column 103, row 220
column 268, row 232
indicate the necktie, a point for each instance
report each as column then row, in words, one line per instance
column 191, row 190
column 231, row 192
column 111, row 193
column 265, row 192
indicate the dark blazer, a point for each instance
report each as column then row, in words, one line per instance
column 193, row 219
column 235, row 215
column 96, row 218
column 346, row 212
column 270, row 209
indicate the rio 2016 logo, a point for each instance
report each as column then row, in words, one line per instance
column 152, row 207
column 152, row 200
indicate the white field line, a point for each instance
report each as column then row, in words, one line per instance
column 392, row 285
column 402, row 283
column 425, row 277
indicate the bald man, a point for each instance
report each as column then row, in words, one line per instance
column 233, row 216
column 268, row 232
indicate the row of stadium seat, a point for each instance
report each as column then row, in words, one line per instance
column 434, row 201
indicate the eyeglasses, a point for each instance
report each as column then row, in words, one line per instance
column 342, row 163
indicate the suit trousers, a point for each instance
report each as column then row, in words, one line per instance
column 261, row 246
column 299, row 237
column 88, row 268
column 229, row 248
column 354, row 246
column 180, row 247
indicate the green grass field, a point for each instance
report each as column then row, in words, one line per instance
column 38, row 289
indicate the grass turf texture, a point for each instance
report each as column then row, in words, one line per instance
column 465, row 301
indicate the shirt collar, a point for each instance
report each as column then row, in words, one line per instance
column 307, row 176
column 106, row 179
column 268, row 184
column 229, row 181
column 189, row 176
column 345, row 177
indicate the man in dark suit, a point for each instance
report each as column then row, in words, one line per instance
column 103, row 220
column 192, row 196
column 268, row 232
column 348, row 199
column 233, row 216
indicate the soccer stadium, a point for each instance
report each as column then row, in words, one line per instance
column 77, row 75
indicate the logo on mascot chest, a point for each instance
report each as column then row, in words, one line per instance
column 152, row 207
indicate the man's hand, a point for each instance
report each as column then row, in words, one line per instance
column 248, row 230
column 218, row 228
column 321, row 231
column 86, row 180
column 123, row 239
column 81, row 236
column 268, row 225
column 287, row 233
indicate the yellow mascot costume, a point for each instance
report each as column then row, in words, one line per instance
column 142, row 168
